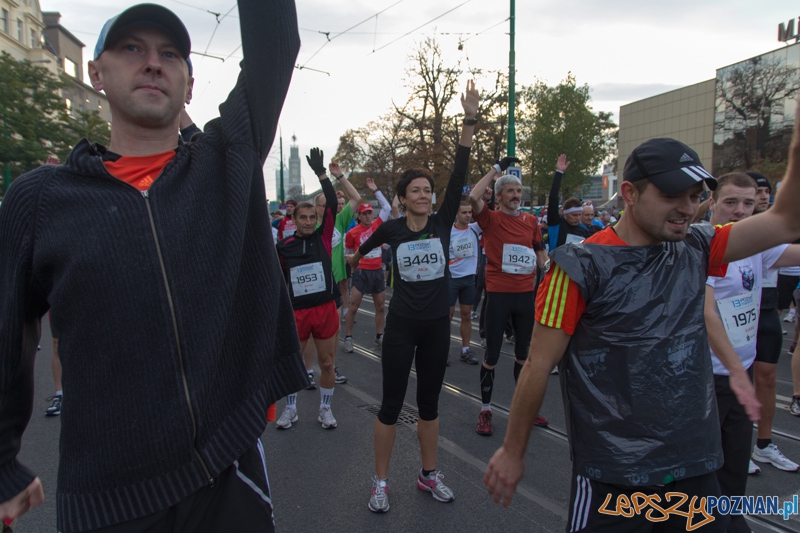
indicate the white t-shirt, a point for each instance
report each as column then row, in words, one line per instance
column 464, row 250
column 738, row 297
column 790, row 271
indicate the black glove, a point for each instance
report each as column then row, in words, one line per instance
column 315, row 161
column 506, row 162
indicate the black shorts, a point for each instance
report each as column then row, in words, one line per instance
column 369, row 281
column 601, row 507
column 463, row 290
column 786, row 287
column 769, row 337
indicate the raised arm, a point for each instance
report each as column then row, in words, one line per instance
column 553, row 217
column 452, row 196
column 316, row 160
column 349, row 189
column 270, row 43
column 386, row 209
column 778, row 225
column 507, row 466
column 476, row 195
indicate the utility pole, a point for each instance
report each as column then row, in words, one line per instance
column 511, row 144
column 281, row 193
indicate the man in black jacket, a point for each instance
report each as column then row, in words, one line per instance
column 156, row 260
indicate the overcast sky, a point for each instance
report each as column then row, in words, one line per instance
column 624, row 49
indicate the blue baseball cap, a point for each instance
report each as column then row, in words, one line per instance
column 147, row 14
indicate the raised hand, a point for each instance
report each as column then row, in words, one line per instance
column 336, row 171
column 470, row 100
column 315, row 161
column 371, row 185
column 562, row 164
column 506, row 162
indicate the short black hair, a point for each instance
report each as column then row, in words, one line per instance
column 410, row 175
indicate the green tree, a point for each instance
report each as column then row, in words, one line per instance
column 556, row 120
column 34, row 122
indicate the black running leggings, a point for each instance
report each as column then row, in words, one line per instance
column 407, row 339
column 500, row 306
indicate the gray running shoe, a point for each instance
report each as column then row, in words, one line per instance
column 326, row 418
column 469, row 357
column 313, row 384
column 348, row 344
column 772, row 455
column 287, row 418
column 55, row 407
column 339, row 379
column 474, row 315
column 795, row 407
column 379, row 501
column 433, row 483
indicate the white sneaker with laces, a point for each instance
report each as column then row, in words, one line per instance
column 287, row 418
column 772, row 455
column 791, row 315
column 326, row 418
column 753, row 469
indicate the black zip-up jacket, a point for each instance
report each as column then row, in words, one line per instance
column 175, row 327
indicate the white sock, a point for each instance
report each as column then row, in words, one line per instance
column 325, row 397
column 464, row 349
column 59, row 393
column 291, row 401
column 486, row 407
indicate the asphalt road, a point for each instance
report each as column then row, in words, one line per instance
column 321, row 479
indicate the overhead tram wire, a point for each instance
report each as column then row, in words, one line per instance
column 421, row 26
column 487, row 29
column 329, row 38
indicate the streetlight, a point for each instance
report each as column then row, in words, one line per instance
column 511, row 144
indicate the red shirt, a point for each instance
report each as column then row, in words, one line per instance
column 500, row 229
column 356, row 237
column 559, row 303
column 286, row 227
column 139, row 171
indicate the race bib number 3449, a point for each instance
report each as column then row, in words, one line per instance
column 420, row 260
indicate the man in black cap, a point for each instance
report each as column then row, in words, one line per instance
column 155, row 258
column 622, row 314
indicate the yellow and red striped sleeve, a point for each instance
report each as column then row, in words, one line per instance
column 559, row 303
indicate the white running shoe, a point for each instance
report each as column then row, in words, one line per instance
column 379, row 500
column 348, row 344
column 791, row 315
column 772, row 455
column 753, row 469
column 326, row 418
column 287, row 418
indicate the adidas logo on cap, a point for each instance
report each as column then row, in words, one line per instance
column 685, row 158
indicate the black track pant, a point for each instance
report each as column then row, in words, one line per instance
column 500, row 307
column 423, row 342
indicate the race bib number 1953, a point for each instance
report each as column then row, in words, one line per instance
column 307, row 279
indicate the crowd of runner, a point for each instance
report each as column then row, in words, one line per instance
column 662, row 322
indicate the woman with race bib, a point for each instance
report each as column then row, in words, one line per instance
column 418, row 319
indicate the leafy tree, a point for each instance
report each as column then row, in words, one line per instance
column 751, row 98
column 34, row 122
column 556, row 120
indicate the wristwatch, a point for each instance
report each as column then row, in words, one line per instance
column 470, row 121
